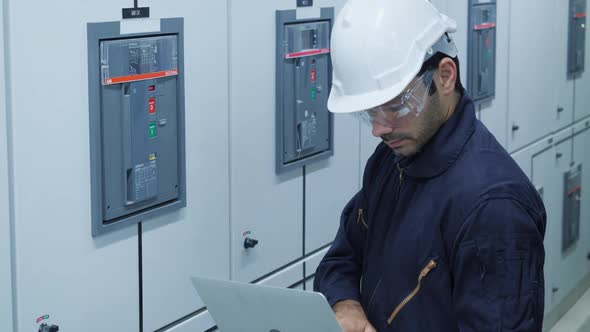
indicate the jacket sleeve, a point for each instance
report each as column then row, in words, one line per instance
column 497, row 268
column 338, row 275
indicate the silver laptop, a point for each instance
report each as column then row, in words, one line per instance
column 239, row 307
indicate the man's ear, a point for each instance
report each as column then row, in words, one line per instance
column 446, row 77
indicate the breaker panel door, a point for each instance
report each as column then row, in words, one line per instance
column 577, row 37
column 304, row 73
column 137, row 125
column 482, row 50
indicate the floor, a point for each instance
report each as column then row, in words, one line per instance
column 577, row 319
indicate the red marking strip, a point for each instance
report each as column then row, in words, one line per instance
column 484, row 26
column 574, row 190
column 580, row 15
column 307, row 53
column 140, row 77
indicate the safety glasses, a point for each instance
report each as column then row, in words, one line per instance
column 409, row 103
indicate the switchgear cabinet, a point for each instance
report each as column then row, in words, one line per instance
column 136, row 101
column 304, row 127
column 577, row 37
column 482, row 50
column 571, row 207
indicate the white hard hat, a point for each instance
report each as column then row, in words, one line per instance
column 378, row 47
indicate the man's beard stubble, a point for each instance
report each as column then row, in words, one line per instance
column 427, row 124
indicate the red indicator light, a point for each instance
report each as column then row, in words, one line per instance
column 312, row 75
column 152, row 88
column 152, row 106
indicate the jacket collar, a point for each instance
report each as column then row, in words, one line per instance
column 445, row 146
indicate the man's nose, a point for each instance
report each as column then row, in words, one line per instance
column 380, row 130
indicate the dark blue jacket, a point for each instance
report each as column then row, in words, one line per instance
column 449, row 240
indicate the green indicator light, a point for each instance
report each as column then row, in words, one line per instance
column 313, row 93
column 152, row 129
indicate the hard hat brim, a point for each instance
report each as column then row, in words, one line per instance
column 362, row 102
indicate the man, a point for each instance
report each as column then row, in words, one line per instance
column 446, row 233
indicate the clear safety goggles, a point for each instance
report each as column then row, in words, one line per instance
column 403, row 108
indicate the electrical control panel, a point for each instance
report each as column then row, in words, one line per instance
column 304, row 127
column 482, row 50
column 571, row 207
column 137, row 124
column 577, row 37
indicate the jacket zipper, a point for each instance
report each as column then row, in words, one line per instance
column 361, row 219
column 401, row 179
column 431, row 265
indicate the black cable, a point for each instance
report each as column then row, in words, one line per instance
column 304, row 209
column 135, row 5
column 140, row 259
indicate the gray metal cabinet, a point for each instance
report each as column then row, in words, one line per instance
column 5, row 237
column 286, row 277
column 136, row 115
column 548, row 167
column 199, row 323
column 368, row 145
column 194, row 241
column 5, row 242
column 330, row 184
column 80, row 282
column 309, row 285
column 265, row 207
column 495, row 113
column 572, row 249
column 540, row 95
column 542, row 166
column 582, row 84
column 582, row 156
column 441, row 5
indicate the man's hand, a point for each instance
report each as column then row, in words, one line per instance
column 351, row 317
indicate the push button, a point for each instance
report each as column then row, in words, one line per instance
column 152, row 129
column 152, row 105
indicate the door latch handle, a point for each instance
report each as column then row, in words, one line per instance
column 250, row 243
